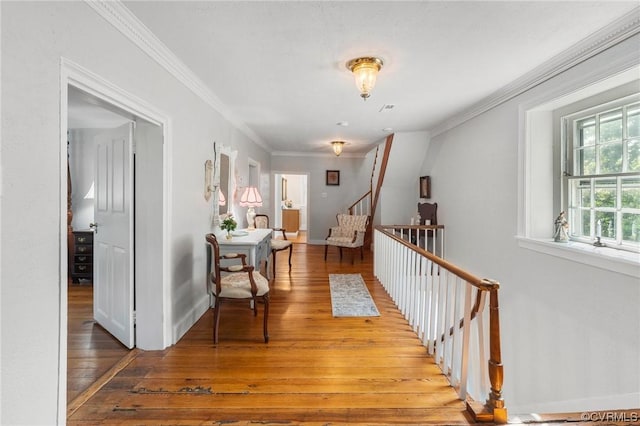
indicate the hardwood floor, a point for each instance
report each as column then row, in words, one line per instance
column 316, row 369
column 91, row 351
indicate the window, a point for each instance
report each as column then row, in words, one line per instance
column 602, row 173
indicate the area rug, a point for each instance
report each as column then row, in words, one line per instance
column 350, row 297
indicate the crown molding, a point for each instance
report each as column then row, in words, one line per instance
column 619, row 30
column 117, row 14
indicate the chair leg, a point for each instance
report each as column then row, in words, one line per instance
column 290, row 253
column 340, row 248
column 255, row 306
column 265, row 298
column 216, row 320
column 273, row 254
column 326, row 246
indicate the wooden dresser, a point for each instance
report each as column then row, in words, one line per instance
column 291, row 220
column 82, row 258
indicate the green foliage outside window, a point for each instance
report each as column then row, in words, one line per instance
column 607, row 144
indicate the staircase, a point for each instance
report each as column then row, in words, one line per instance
column 367, row 203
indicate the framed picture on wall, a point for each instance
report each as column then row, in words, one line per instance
column 333, row 177
column 425, row 187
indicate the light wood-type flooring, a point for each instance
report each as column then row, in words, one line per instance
column 316, row 369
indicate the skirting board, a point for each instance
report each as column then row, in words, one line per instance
column 190, row 318
column 605, row 402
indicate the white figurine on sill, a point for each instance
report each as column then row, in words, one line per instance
column 561, row 233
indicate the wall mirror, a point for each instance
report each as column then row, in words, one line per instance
column 224, row 184
column 224, row 181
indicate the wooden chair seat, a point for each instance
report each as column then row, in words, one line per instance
column 237, row 285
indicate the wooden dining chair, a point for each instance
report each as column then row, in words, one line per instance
column 239, row 282
column 277, row 244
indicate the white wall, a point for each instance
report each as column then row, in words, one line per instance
column 326, row 201
column 570, row 331
column 400, row 194
column 34, row 38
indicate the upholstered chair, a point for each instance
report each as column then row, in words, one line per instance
column 349, row 234
column 277, row 244
column 239, row 282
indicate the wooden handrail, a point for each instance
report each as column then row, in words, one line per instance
column 383, row 170
column 358, row 201
column 493, row 410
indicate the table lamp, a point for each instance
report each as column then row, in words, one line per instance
column 251, row 198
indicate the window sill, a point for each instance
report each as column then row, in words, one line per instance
column 619, row 261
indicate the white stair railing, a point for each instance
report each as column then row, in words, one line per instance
column 445, row 306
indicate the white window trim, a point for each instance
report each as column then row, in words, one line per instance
column 538, row 172
column 624, row 262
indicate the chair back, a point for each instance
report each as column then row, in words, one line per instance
column 262, row 221
column 352, row 222
column 428, row 211
column 213, row 264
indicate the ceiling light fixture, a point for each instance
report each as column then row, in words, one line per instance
column 365, row 70
column 337, row 147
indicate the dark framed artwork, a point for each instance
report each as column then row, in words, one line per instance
column 333, row 177
column 425, row 187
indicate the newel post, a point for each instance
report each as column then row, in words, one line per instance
column 496, row 376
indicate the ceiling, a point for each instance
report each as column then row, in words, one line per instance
column 279, row 67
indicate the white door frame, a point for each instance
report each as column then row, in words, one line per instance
column 72, row 74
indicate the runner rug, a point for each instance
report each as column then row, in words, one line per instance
column 350, row 297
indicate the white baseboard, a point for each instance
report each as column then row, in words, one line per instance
column 317, row 242
column 601, row 403
column 190, row 318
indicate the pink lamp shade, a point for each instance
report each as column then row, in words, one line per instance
column 251, row 197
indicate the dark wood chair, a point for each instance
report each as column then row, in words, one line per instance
column 428, row 211
column 277, row 244
column 240, row 282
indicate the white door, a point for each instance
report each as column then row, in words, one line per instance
column 113, row 238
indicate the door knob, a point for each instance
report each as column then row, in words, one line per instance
column 94, row 226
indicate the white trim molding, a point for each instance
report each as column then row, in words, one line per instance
column 620, row 261
column 131, row 27
column 619, row 30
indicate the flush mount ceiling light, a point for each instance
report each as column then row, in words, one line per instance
column 337, row 147
column 365, row 70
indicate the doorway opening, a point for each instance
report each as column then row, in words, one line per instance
column 91, row 349
column 82, row 91
column 291, row 204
